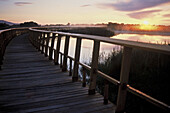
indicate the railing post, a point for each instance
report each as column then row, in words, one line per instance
column 124, row 77
column 70, row 72
column 1, row 56
column 56, row 52
column 106, row 91
column 52, row 46
column 61, row 61
column 64, row 67
column 39, row 40
column 36, row 39
column 77, row 57
column 47, row 43
column 43, row 40
column 94, row 66
column 84, row 78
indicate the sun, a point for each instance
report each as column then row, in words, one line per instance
column 145, row 22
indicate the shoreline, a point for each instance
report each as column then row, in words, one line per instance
column 142, row 33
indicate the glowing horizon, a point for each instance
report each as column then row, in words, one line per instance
column 86, row 12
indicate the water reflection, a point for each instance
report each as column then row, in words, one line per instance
column 156, row 39
column 105, row 48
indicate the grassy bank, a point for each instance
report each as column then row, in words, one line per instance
column 149, row 73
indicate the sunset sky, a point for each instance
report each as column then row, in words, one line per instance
column 86, row 11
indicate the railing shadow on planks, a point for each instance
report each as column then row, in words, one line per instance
column 40, row 39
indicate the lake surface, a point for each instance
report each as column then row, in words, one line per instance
column 156, row 39
column 105, row 48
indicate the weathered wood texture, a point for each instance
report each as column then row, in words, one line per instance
column 29, row 82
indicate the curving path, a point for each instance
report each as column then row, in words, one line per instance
column 29, row 82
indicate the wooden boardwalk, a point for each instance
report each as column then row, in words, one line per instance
column 29, row 82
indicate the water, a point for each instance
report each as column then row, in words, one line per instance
column 156, row 39
column 106, row 49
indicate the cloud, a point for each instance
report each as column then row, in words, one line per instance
column 143, row 14
column 168, row 20
column 87, row 5
column 22, row 3
column 166, row 15
column 135, row 5
column 4, row 0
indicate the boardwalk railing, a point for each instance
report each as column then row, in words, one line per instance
column 6, row 36
column 40, row 39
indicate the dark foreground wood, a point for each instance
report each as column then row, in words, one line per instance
column 29, row 82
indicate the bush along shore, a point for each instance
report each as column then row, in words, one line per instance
column 149, row 73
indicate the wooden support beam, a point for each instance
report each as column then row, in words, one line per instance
column 77, row 57
column 52, row 46
column 94, row 66
column 56, row 52
column 124, row 77
column 66, row 46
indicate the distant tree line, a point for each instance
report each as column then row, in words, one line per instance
column 4, row 26
column 99, row 31
column 137, row 27
column 25, row 24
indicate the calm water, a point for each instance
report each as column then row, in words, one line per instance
column 106, row 49
column 156, row 39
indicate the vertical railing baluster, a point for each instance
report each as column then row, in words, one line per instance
column 1, row 49
column 124, row 77
column 43, row 43
column 106, row 91
column 47, row 44
column 61, row 61
column 94, row 66
column 39, row 40
column 56, row 52
column 52, row 47
column 64, row 67
column 84, row 77
column 36, row 40
column 77, row 57
column 70, row 72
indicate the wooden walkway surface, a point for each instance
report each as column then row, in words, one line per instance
column 29, row 82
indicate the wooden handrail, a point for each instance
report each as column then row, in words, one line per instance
column 132, row 44
column 123, row 83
